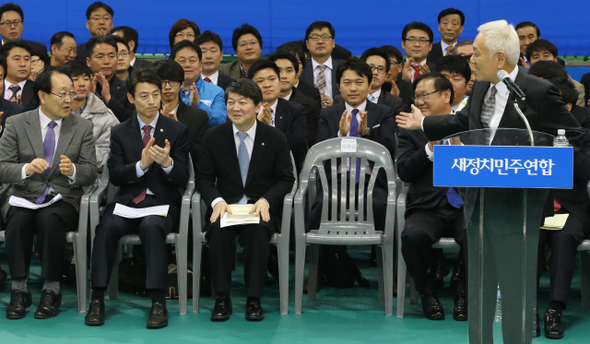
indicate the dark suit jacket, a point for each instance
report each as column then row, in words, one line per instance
column 435, row 53
column 197, row 122
column 307, row 76
column 28, row 96
column 310, row 91
column 339, row 52
column 393, row 102
column 313, row 109
column 81, row 52
column 290, row 118
column 9, row 108
column 231, row 69
column 119, row 102
column 126, row 147
column 406, row 92
column 582, row 115
column 224, row 81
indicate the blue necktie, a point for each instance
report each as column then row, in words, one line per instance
column 452, row 196
column 354, row 132
column 49, row 150
column 244, row 161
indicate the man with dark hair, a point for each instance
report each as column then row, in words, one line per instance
column 417, row 43
column 260, row 154
column 394, row 83
column 149, row 163
column 527, row 32
column 99, row 21
column 7, row 108
column 11, row 25
column 457, row 70
column 212, row 49
column 63, row 48
column 131, row 37
column 320, row 69
column 54, row 180
column 195, row 119
column 465, row 49
column 123, row 68
column 307, row 89
column 450, row 25
column 247, row 44
column 431, row 212
column 17, row 87
column 196, row 91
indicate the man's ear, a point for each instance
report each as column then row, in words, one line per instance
column 569, row 106
column 131, row 99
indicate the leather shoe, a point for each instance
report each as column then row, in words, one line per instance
column 431, row 306
column 254, row 310
column 95, row 315
column 222, row 309
column 437, row 275
column 49, row 305
column 158, row 316
column 460, row 310
column 553, row 327
column 19, row 302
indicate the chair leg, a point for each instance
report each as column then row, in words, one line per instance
column 413, row 291
column 283, row 256
column 299, row 273
column 380, row 271
column 401, row 282
column 387, row 256
column 312, row 277
column 114, row 283
column 585, row 277
column 81, row 274
column 197, row 251
column 181, row 266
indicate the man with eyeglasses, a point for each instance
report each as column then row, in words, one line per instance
column 450, row 25
column 123, row 62
column 417, row 43
column 17, row 87
column 212, row 49
column 63, row 48
column 11, row 25
column 99, row 21
column 44, row 171
column 131, row 37
column 394, row 83
column 247, row 44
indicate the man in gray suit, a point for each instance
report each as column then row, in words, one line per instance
column 47, row 156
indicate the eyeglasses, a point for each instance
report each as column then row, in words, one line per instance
column 183, row 35
column 413, row 40
column 424, row 96
column 98, row 18
column 65, row 96
column 16, row 23
column 394, row 63
column 171, row 83
column 243, row 44
column 316, row 38
column 379, row 69
column 123, row 53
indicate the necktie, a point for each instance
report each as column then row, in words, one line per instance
column 372, row 98
column 49, row 150
column 454, row 198
column 272, row 117
column 207, row 79
column 416, row 72
column 147, row 129
column 486, row 112
column 320, row 83
column 14, row 89
column 244, row 161
column 354, row 132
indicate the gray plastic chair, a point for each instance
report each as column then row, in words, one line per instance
column 281, row 240
column 344, row 229
column 179, row 240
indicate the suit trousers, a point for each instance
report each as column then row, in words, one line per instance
column 152, row 232
column 51, row 225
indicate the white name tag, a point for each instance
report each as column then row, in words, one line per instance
column 348, row 146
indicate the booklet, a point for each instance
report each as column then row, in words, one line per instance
column 23, row 203
column 240, row 216
column 137, row 213
column 555, row 222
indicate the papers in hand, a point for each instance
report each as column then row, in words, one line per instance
column 23, row 203
column 137, row 213
column 555, row 222
column 240, row 216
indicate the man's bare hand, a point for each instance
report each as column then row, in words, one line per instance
column 161, row 155
column 36, row 166
column 524, row 63
column 407, row 69
column 411, row 120
column 194, row 95
column 219, row 210
column 261, row 208
column 394, row 89
column 146, row 157
column 65, row 166
column 166, row 112
column 326, row 101
column 265, row 116
column 363, row 128
column 450, row 50
column 345, row 123
column 105, row 92
column 424, row 69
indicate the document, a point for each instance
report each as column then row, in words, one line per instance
column 555, row 222
column 23, row 203
column 240, row 216
column 137, row 213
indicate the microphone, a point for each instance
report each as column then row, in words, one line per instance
column 505, row 78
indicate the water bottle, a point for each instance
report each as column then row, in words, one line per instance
column 498, row 316
column 561, row 140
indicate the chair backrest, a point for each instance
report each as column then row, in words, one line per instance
column 346, row 213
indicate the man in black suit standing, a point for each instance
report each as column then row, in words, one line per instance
column 17, row 87
column 149, row 164
column 212, row 49
column 7, row 108
column 417, row 43
column 11, row 26
column 131, row 37
column 245, row 161
column 99, row 21
column 450, row 25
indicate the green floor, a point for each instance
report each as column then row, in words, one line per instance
column 337, row 316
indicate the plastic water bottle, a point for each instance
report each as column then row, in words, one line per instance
column 561, row 140
column 498, row 316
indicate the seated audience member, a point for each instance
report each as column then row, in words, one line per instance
column 431, row 212
column 102, row 59
column 307, row 89
column 17, row 87
column 63, row 48
column 197, row 121
column 289, row 69
column 266, row 177
column 394, row 83
column 131, row 37
column 123, row 61
column 450, row 26
column 247, row 44
column 570, row 96
column 586, row 82
column 39, row 60
column 195, row 91
column 287, row 116
column 528, row 32
column 158, row 178
column 11, row 26
column 339, row 51
column 7, row 108
column 457, row 70
column 417, row 43
column 465, row 49
column 99, row 21
column 87, row 105
column 54, row 180
column 212, row 49
column 543, row 50
column 320, row 69
column 183, row 30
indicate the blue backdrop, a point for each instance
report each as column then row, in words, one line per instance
column 359, row 24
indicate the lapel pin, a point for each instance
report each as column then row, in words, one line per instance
column 281, row 117
column 161, row 130
column 263, row 143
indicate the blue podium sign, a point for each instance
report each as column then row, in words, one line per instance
column 503, row 166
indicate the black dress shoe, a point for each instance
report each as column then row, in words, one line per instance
column 19, row 302
column 431, row 306
column 158, row 316
column 254, row 310
column 460, row 310
column 49, row 305
column 553, row 326
column 222, row 309
column 437, row 275
column 95, row 315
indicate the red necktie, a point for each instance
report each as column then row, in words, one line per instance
column 207, row 79
column 146, row 138
column 416, row 71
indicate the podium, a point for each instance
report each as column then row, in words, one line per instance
column 505, row 188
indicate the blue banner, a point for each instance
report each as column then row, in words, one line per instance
column 506, row 167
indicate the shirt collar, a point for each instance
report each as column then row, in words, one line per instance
column 376, row 94
column 361, row 107
column 153, row 124
column 328, row 63
column 132, row 63
column 251, row 132
column 213, row 77
column 45, row 120
column 288, row 96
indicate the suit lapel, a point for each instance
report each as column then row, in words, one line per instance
column 258, row 151
column 66, row 133
column 136, row 137
column 371, row 114
column 34, row 134
column 279, row 114
column 230, row 153
column 27, row 95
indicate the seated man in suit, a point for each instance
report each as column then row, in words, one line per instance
column 417, row 43
column 465, row 49
column 527, row 32
column 212, row 49
column 197, row 121
column 11, row 25
column 287, row 116
column 7, row 108
column 260, row 154
column 457, row 70
column 131, row 37
column 195, row 91
column 289, row 69
column 307, row 89
column 69, row 162
column 17, row 87
column 149, row 173
column 63, row 48
column 431, row 212
column 450, row 25
column 99, row 21
column 247, row 44
column 394, row 83
column 102, row 59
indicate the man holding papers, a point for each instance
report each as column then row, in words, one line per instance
column 46, row 155
column 149, row 164
column 243, row 162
